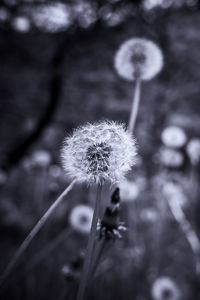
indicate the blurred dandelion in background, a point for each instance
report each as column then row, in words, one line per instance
column 80, row 218
column 165, row 288
column 41, row 158
column 21, row 24
column 174, row 137
column 193, row 150
column 85, row 13
column 99, row 152
column 138, row 58
column 170, row 158
column 52, row 17
column 129, row 190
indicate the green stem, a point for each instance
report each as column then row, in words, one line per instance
column 33, row 233
column 135, row 105
column 98, row 255
column 90, row 247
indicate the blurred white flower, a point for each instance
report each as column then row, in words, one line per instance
column 85, row 13
column 193, row 150
column 174, row 192
column 41, row 158
column 171, row 158
column 173, row 137
column 81, row 218
column 99, row 152
column 21, row 24
column 55, row 171
column 129, row 190
column 138, row 58
column 164, row 288
column 53, row 17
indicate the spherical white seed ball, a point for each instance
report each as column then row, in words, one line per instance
column 138, row 58
column 165, row 288
column 173, row 137
column 99, row 152
column 193, row 150
column 129, row 191
column 81, row 218
column 171, row 158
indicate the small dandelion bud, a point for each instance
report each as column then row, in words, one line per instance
column 173, row 137
column 115, row 199
column 193, row 150
column 81, row 218
column 164, row 288
column 138, row 58
column 110, row 227
column 99, row 152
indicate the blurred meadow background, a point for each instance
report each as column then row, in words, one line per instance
column 57, row 72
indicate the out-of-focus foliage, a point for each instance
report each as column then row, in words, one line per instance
column 56, row 16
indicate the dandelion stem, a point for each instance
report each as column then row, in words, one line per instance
column 188, row 231
column 90, row 247
column 98, row 255
column 33, row 233
column 135, row 105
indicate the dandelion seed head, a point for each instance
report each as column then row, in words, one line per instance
column 174, row 137
column 99, row 152
column 81, row 218
column 164, row 288
column 138, row 58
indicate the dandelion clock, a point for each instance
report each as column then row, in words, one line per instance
column 138, row 59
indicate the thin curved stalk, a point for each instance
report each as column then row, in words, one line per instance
column 50, row 247
column 33, row 233
column 98, row 256
column 135, row 105
column 187, row 229
column 90, row 248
